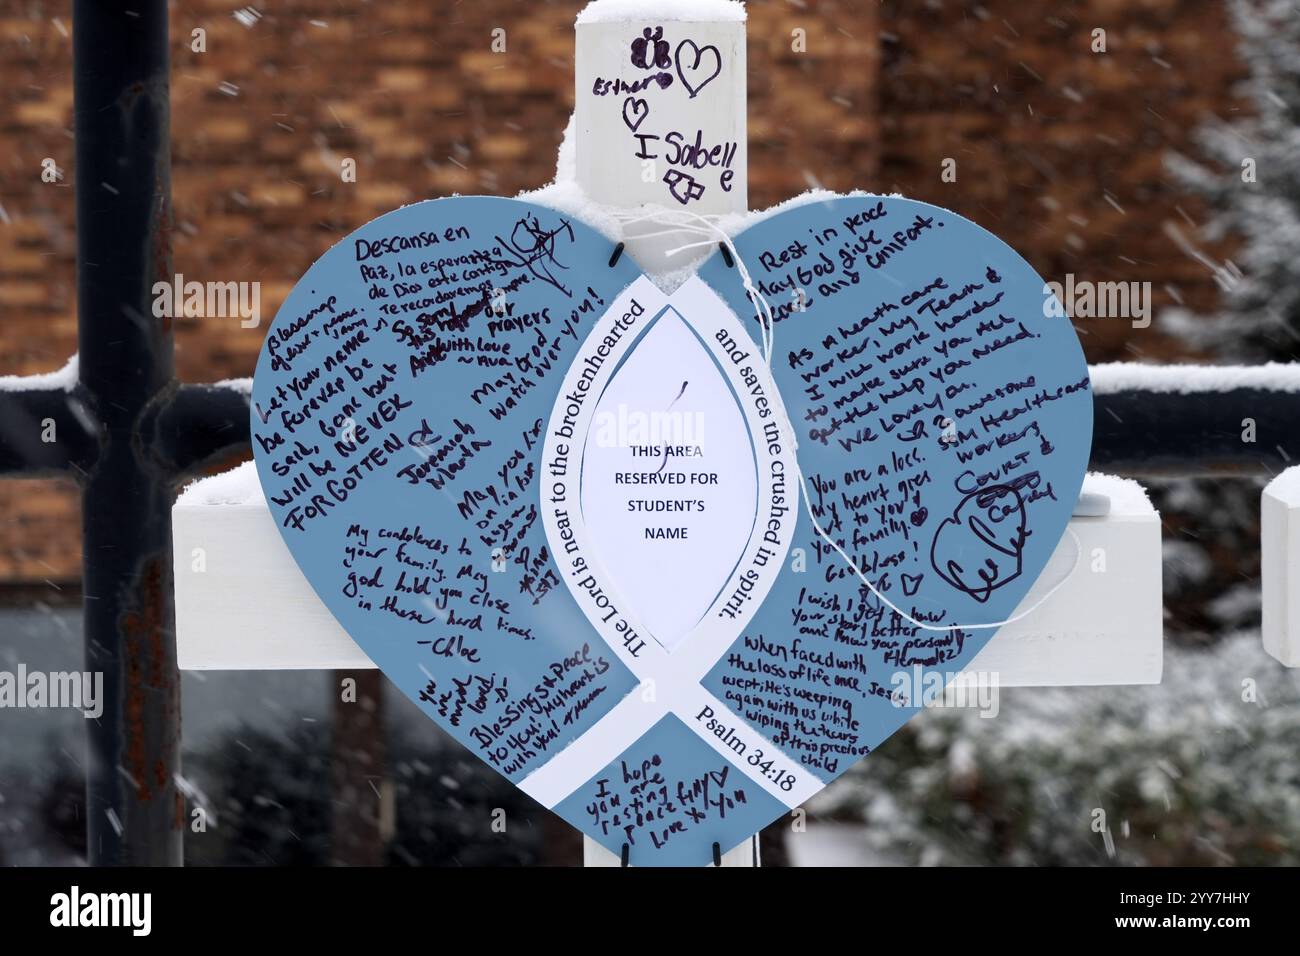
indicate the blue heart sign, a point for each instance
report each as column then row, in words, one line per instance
column 671, row 562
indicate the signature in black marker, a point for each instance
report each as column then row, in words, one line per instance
column 535, row 248
column 980, row 547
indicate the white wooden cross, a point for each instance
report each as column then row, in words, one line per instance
column 1279, row 558
column 251, row 608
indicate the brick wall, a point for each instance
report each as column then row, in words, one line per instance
column 1059, row 150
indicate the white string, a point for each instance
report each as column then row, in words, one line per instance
column 767, row 326
column 707, row 227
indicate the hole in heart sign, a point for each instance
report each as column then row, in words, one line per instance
column 669, row 484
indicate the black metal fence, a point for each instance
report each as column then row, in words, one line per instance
column 128, row 432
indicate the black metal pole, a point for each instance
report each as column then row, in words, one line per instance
column 135, row 813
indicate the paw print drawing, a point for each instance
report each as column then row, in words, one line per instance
column 651, row 50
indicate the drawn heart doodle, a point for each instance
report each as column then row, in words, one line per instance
column 653, row 557
column 635, row 110
column 689, row 57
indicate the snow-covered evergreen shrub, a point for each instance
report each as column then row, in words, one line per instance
column 1250, row 177
column 1201, row 769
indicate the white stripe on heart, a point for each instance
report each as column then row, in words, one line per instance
column 675, row 678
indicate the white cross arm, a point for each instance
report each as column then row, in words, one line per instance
column 243, row 604
column 1279, row 555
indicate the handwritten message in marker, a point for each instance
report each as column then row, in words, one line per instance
column 397, row 421
column 663, row 105
column 668, row 583
column 944, row 422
